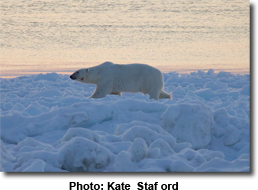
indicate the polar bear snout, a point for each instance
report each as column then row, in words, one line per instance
column 73, row 77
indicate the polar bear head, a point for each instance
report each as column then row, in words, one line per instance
column 88, row 75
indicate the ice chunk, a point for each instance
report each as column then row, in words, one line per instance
column 48, row 93
column 188, row 153
column 25, row 159
column 221, row 116
column 162, row 146
column 220, row 165
column 48, row 76
column 80, row 154
column 192, row 96
column 180, row 166
column 154, row 153
column 246, row 90
column 121, row 128
column 205, row 93
column 224, row 74
column 208, row 154
column 123, row 163
column 191, row 87
column 32, row 110
column 19, row 107
column 189, row 123
column 210, row 72
column 179, row 92
column 6, row 106
column 138, row 150
column 80, row 132
column 215, row 85
column 36, row 166
column 145, row 133
column 6, row 159
column 232, row 135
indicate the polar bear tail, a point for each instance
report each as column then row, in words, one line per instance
column 163, row 95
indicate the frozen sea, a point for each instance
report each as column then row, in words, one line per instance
column 64, row 35
column 48, row 124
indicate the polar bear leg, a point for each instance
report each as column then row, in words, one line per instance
column 163, row 94
column 154, row 96
column 102, row 90
column 116, row 93
column 154, row 93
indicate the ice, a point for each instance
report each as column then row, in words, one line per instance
column 232, row 135
column 19, row 107
column 138, row 150
column 210, row 72
column 179, row 92
column 162, row 147
column 215, row 85
column 48, row 124
column 48, row 77
column 246, row 90
column 47, row 93
column 81, row 132
column 80, row 154
column 223, row 74
column 36, row 166
column 123, row 163
column 221, row 165
column 191, row 122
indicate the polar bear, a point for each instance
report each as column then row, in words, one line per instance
column 113, row 78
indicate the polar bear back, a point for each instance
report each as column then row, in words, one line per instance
column 132, row 77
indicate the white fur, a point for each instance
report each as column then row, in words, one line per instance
column 114, row 78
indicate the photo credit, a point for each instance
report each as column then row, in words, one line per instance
column 122, row 186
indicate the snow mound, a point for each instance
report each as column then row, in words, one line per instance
column 80, row 154
column 191, row 122
column 48, row 124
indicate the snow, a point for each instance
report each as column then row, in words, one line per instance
column 48, row 124
column 189, row 122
